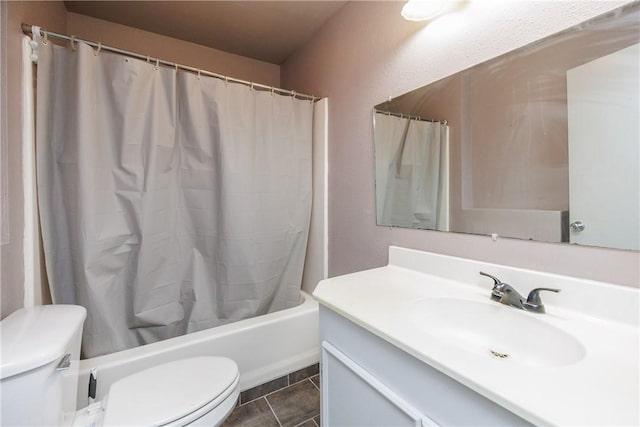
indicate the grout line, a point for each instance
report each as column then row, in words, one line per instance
column 280, row 389
column 272, row 411
column 305, row 421
column 277, row 390
column 260, row 385
column 307, row 378
column 253, row 400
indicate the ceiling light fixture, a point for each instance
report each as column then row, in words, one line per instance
column 424, row 10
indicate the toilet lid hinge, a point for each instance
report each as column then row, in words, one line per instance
column 93, row 383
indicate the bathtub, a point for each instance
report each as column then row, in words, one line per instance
column 264, row 347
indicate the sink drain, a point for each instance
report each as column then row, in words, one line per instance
column 498, row 354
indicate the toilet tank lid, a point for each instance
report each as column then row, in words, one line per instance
column 34, row 336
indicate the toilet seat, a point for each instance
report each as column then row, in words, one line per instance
column 174, row 393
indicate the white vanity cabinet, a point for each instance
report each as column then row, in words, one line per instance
column 367, row 381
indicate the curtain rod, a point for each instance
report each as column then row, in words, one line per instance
column 31, row 29
column 407, row 116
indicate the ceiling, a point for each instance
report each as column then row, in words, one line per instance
column 266, row 30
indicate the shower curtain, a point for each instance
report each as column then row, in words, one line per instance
column 412, row 172
column 170, row 202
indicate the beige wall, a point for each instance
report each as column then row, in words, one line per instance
column 367, row 53
column 53, row 16
column 174, row 50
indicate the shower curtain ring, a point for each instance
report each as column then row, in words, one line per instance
column 157, row 63
column 293, row 94
column 46, row 37
column 273, row 90
column 226, row 80
column 251, row 86
column 198, row 74
column 73, row 43
column 148, row 58
column 97, row 52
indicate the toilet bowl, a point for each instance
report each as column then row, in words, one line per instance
column 39, row 380
column 194, row 391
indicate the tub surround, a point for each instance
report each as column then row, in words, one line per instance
column 596, row 384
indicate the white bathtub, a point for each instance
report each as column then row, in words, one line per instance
column 264, row 348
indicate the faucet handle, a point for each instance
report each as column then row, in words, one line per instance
column 534, row 295
column 498, row 287
column 534, row 303
column 496, row 281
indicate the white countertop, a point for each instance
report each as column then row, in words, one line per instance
column 600, row 389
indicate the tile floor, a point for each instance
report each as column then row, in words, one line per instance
column 289, row 401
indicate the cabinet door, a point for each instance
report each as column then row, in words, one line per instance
column 353, row 397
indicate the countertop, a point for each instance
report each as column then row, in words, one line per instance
column 600, row 389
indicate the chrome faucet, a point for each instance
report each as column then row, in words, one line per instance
column 506, row 294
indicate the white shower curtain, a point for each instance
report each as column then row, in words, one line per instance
column 411, row 172
column 170, row 203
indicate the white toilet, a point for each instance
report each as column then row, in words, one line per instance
column 40, row 350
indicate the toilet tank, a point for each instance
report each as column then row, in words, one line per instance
column 36, row 386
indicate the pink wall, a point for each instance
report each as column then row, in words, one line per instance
column 367, row 53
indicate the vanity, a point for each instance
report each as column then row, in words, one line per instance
column 420, row 342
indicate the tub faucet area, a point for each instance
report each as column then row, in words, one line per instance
column 506, row 294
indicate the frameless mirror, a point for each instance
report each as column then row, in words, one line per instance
column 542, row 143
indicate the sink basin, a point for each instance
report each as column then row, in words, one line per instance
column 496, row 330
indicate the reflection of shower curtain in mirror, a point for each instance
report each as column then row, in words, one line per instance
column 412, row 172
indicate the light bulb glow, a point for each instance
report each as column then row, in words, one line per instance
column 423, row 10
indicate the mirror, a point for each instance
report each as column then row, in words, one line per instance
column 542, row 143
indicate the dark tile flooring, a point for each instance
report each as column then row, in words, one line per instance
column 289, row 401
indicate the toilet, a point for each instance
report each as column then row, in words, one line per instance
column 40, row 350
